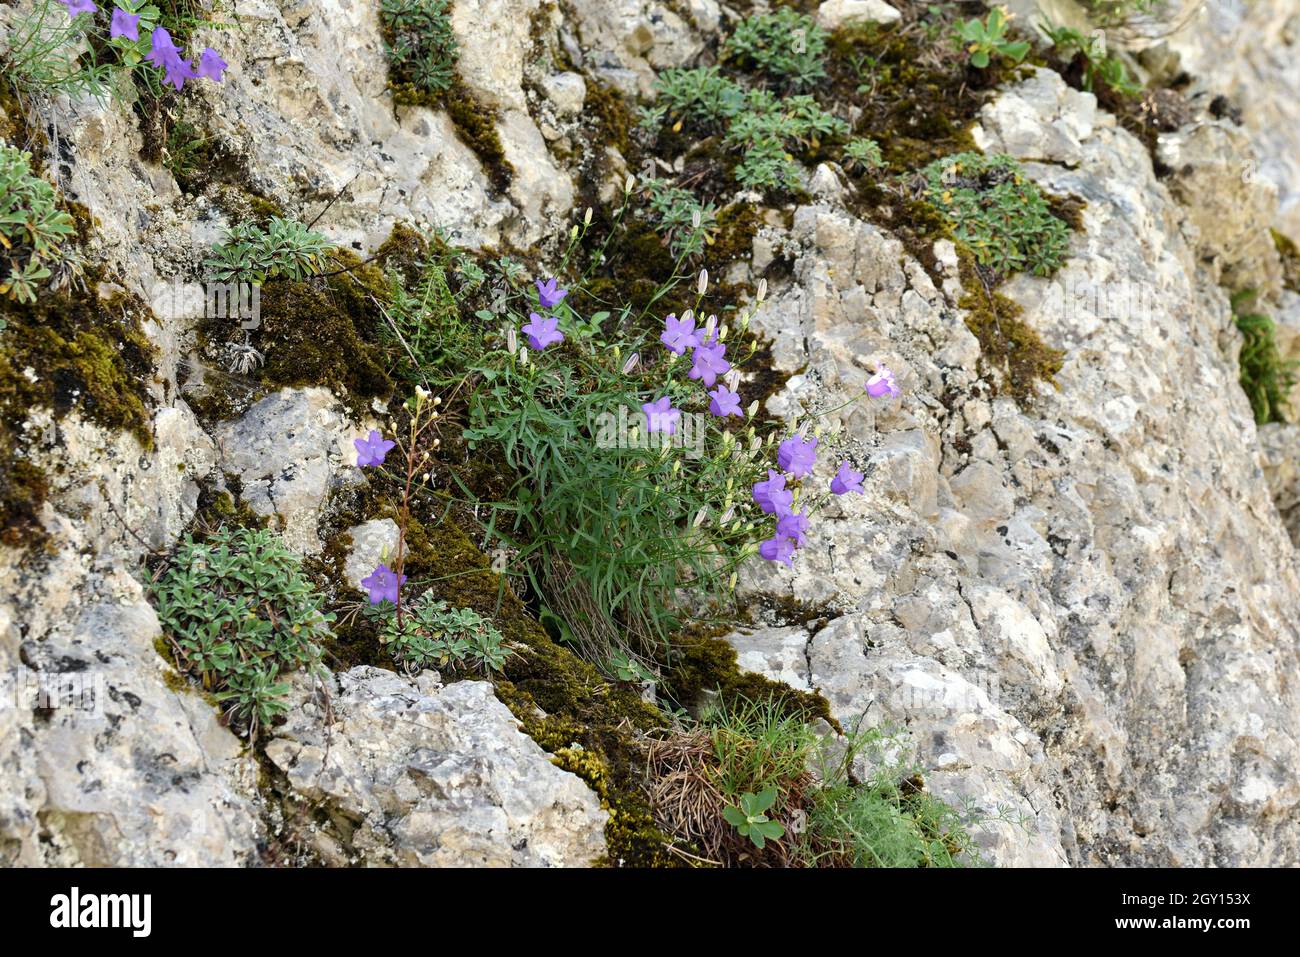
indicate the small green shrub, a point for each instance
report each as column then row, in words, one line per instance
column 862, row 154
column 988, row 37
column 786, row 46
column 251, row 253
column 32, row 227
column 998, row 212
column 678, row 216
column 701, row 95
column 434, row 635
column 240, row 613
column 421, row 47
column 750, row 820
column 1266, row 379
column 1098, row 65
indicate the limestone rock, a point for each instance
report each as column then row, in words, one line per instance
column 435, row 776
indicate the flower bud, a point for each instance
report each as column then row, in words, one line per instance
column 703, row 285
column 762, row 291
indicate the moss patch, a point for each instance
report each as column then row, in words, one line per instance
column 1007, row 342
column 1286, row 248
column 70, row 351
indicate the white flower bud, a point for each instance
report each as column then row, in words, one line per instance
column 762, row 291
column 586, row 218
column 753, row 408
column 703, row 285
column 631, row 363
column 512, row 340
column 699, row 517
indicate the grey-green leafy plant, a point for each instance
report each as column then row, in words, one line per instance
column 862, row 154
column 760, row 126
column 681, row 218
column 786, row 46
column 998, row 212
column 33, row 229
column 420, row 44
column 432, row 634
column 251, row 253
column 750, row 820
column 985, row 38
column 1266, row 378
column 1097, row 63
column 240, row 614
column 701, row 95
column 425, row 318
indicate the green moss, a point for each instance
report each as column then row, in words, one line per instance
column 611, row 115
column 705, row 662
column 1290, row 261
column 1007, row 342
column 322, row 331
column 734, row 241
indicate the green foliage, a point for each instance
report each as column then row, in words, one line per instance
column 1116, row 12
column 1265, row 377
column 862, row 154
column 683, row 220
column 786, row 46
column 770, row 128
column 43, row 54
column 750, row 821
column 240, row 613
column 606, row 532
column 425, row 318
column 421, row 46
column 984, row 38
column 49, row 53
column 998, row 212
column 32, row 227
column 251, row 253
column 432, row 634
column 789, row 772
column 701, row 95
column 1098, row 64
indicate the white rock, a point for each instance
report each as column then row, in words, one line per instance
column 840, row 13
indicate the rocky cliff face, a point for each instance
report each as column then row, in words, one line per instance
column 1084, row 609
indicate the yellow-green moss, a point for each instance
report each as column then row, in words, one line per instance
column 1007, row 342
column 1290, row 261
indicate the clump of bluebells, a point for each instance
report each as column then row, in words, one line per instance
column 46, row 55
column 635, row 455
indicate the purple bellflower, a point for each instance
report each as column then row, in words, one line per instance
column 542, row 332
column 211, row 66
column 125, row 25
column 383, row 584
column 772, row 496
column 778, row 549
column 846, row 480
column 660, row 416
column 707, row 364
column 883, row 383
column 797, row 456
column 76, row 7
column 372, row 449
column 793, row 525
column 548, row 295
column 679, row 334
column 724, row 402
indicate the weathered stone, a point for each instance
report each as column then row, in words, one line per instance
column 434, row 776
